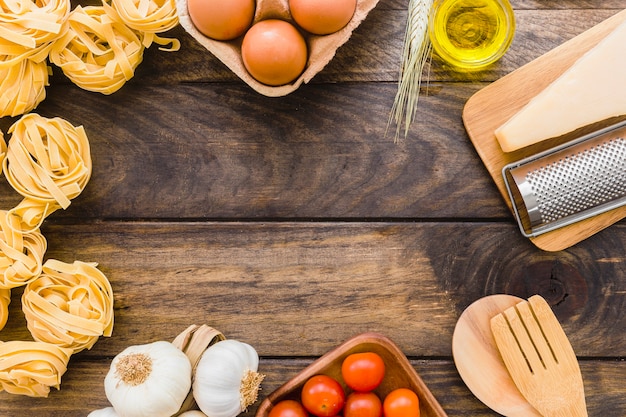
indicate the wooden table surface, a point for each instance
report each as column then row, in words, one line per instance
column 294, row 223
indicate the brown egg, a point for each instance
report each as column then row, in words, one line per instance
column 322, row 17
column 221, row 20
column 274, row 52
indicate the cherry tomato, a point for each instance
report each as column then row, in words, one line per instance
column 288, row 408
column 323, row 396
column 401, row 402
column 363, row 371
column 363, row 404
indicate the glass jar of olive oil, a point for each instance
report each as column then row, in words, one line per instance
column 471, row 34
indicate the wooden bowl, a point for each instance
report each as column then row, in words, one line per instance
column 321, row 48
column 399, row 374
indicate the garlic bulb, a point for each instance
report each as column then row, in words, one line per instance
column 226, row 380
column 103, row 412
column 150, row 380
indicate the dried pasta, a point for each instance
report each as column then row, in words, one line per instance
column 5, row 300
column 3, row 148
column 32, row 212
column 99, row 52
column 23, row 87
column 32, row 368
column 69, row 305
column 21, row 253
column 28, row 28
column 151, row 16
column 48, row 160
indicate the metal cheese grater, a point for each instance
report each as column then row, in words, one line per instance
column 569, row 183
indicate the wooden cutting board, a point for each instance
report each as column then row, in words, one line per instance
column 495, row 104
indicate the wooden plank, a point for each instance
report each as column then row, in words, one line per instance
column 165, row 159
column 299, row 288
column 82, row 388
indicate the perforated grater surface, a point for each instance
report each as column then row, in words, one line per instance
column 564, row 185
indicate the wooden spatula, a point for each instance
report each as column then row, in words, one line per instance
column 540, row 359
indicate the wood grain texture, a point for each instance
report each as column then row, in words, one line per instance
column 313, row 284
column 295, row 223
column 198, row 152
column 539, row 358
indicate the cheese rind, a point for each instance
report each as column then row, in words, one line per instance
column 593, row 89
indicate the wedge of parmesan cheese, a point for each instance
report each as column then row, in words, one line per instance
column 593, row 89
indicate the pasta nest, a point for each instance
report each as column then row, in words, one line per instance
column 28, row 28
column 31, row 368
column 69, row 305
column 21, row 253
column 99, row 52
column 5, row 300
column 48, row 161
column 150, row 16
column 97, row 47
column 23, row 86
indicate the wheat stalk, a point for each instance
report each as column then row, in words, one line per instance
column 415, row 53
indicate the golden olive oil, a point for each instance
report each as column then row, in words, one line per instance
column 471, row 34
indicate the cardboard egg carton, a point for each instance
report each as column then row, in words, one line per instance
column 321, row 48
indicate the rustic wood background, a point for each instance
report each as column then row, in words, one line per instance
column 294, row 223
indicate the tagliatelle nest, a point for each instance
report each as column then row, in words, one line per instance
column 152, row 16
column 33, row 213
column 69, row 305
column 48, row 160
column 5, row 300
column 28, row 29
column 32, row 24
column 31, row 368
column 23, row 87
column 3, row 148
column 99, row 52
column 21, row 253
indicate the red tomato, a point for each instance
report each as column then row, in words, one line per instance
column 323, row 396
column 363, row 404
column 363, row 371
column 401, row 402
column 288, row 408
